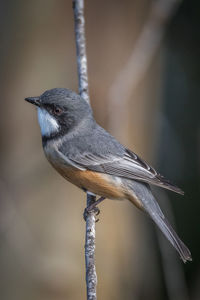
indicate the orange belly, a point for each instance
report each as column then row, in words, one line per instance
column 97, row 183
column 100, row 184
column 104, row 185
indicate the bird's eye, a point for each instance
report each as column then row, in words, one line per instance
column 57, row 111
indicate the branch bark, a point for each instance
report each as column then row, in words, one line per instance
column 79, row 19
column 91, row 277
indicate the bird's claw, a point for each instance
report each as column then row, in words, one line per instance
column 89, row 210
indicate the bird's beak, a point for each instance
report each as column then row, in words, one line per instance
column 34, row 100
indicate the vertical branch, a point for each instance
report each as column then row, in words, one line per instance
column 91, row 277
column 78, row 6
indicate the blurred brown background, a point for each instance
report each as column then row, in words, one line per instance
column 143, row 59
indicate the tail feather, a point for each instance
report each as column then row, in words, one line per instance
column 172, row 236
column 151, row 207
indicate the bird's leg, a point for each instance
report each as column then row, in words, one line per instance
column 94, row 207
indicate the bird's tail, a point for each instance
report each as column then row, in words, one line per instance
column 151, row 207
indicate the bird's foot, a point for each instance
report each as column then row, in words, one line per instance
column 93, row 208
column 88, row 211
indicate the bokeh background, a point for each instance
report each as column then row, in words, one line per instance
column 143, row 59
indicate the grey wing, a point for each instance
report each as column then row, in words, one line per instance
column 127, row 165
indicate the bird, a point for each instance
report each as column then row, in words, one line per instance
column 89, row 157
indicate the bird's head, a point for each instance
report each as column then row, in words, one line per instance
column 59, row 110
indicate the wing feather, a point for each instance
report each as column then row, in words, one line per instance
column 129, row 166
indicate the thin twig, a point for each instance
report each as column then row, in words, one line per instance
column 91, row 277
column 79, row 19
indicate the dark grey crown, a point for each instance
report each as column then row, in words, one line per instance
column 61, row 96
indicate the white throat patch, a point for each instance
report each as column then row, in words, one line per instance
column 48, row 123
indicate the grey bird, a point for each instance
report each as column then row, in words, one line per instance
column 92, row 159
